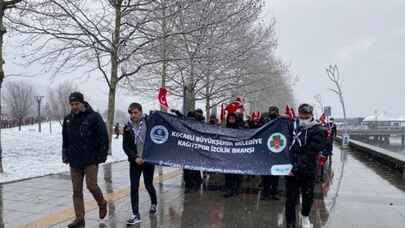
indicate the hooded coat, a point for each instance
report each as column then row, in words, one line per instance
column 85, row 138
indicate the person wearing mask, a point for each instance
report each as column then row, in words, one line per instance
column 84, row 147
column 133, row 145
column 308, row 141
column 232, row 181
column 270, row 183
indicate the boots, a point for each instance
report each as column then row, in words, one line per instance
column 77, row 223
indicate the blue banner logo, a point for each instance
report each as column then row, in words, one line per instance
column 159, row 134
column 277, row 142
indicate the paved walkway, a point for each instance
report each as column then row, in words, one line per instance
column 357, row 193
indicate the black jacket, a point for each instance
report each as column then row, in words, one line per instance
column 128, row 141
column 305, row 157
column 85, row 139
column 333, row 128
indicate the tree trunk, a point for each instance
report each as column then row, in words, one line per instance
column 110, row 114
column 164, row 45
column 207, row 96
column 342, row 101
column 1, row 146
column 164, row 66
column 114, row 72
column 2, row 75
column 207, row 107
column 189, row 92
column 19, row 124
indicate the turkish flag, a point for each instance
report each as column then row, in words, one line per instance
column 287, row 110
column 290, row 112
column 322, row 119
column 293, row 113
column 322, row 160
column 162, row 98
column 256, row 116
column 235, row 105
column 222, row 113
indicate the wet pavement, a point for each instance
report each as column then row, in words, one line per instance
column 357, row 192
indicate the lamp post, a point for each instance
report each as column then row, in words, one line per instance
column 39, row 100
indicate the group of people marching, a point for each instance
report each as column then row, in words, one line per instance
column 86, row 144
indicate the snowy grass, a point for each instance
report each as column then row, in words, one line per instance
column 28, row 153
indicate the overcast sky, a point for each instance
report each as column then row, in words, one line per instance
column 366, row 38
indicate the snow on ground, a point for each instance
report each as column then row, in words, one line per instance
column 29, row 153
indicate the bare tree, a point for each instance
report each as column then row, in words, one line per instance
column 211, row 52
column 113, row 37
column 19, row 100
column 333, row 74
column 58, row 100
column 4, row 6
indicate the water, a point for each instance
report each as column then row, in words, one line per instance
column 395, row 145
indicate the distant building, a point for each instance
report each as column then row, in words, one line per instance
column 3, row 117
column 383, row 121
column 356, row 121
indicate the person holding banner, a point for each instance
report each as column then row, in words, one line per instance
column 232, row 181
column 213, row 120
column 270, row 183
column 133, row 145
column 192, row 178
column 309, row 140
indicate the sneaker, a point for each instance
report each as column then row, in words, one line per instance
column 136, row 219
column 153, row 209
column 77, row 223
column 103, row 210
column 306, row 223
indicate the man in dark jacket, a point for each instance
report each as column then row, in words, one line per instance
column 232, row 181
column 133, row 145
column 85, row 146
column 192, row 178
column 331, row 131
column 332, row 126
column 309, row 140
column 270, row 183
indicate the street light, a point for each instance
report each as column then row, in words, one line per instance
column 39, row 100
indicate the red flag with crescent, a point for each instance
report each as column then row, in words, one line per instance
column 293, row 113
column 163, row 98
column 322, row 119
column 235, row 105
column 256, row 116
